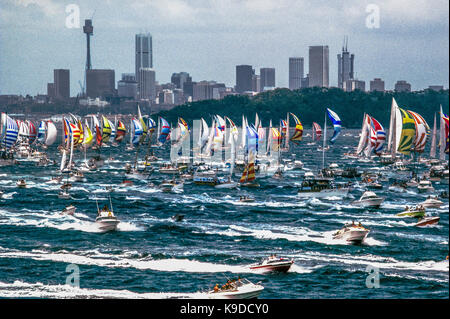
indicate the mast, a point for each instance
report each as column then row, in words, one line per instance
column 442, row 141
column 433, row 140
column 324, row 141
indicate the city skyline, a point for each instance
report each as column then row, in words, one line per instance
column 112, row 45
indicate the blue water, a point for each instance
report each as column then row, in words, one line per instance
column 151, row 256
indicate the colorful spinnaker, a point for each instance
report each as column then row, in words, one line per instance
column 336, row 124
column 164, row 131
column 422, row 131
column 137, row 132
column 316, row 132
column 297, row 136
column 406, row 125
column 120, row 132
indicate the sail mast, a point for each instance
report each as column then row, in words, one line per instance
column 324, row 141
column 433, row 140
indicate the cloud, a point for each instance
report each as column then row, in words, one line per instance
column 48, row 7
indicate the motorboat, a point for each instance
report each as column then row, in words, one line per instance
column 426, row 221
column 69, row 210
column 225, row 183
column 273, row 263
column 170, row 186
column 106, row 220
column 208, row 177
column 77, row 177
column 21, row 183
column 369, row 199
column 168, row 169
column 416, row 211
column 298, row 164
column 425, row 187
column 278, row 174
column 54, row 180
column 352, row 233
column 432, row 202
column 246, row 199
column 236, row 289
column 320, row 187
column 64, row 194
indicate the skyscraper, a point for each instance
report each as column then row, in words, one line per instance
column 144, row 53
column 267, row 78
column 147, row 84
column 377, row 85
column 61, row 83
column 296, row 70
column 179, row 79
column 345, row 66
column 100, row 83
column 127, row 87
column 402, row 86
column 319, row 69
column 244, row 75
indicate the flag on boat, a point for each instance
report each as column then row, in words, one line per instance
column 336, row 124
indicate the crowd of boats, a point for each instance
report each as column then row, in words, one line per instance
column 222, row 151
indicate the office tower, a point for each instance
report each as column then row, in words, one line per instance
column 127, row 87
column 206, row 90
column 296, row 70
column 377, row 85
column 319, row 66
column 244, row 75
column 178, row 96
column 61, row 84
column 353, row 84
column 436, row 88
column 179, row 79
column 256, row 83
column 147, row 84
column 144, row 53
column 100, row 83
column 402, row 86
column 267, row 78
column 305, row 81
column 51, row 90
column 345, row 66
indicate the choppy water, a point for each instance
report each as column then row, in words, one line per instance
column 151, row 256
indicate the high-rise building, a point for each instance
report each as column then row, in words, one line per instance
column 377, row 85
column 51, row 90
column 61, row 84
column 296, row 70
column 402, row 86
column 319, row 69
column 127, row 87
column 345, row 66
column 244, row 75
column 144, row 53
column 100, row 83
column 256, row 83
column 267, row 78
column 179, row 79
column 206, row 90
column 353, row 84
column 147, row 84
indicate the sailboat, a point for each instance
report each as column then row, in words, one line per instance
column 248, row 178
column 9, row 133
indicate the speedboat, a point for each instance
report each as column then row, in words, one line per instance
column 425, row 187
column 369, row 199
column 432, row 202
column 223, row 183
column 320, row 187
column 417, row 211
column 64, row 194
column 352, row 233
column 69, row 210
column 426, row 221
column 54, row 180
column 168, row 169
column 21, row 183
column 273, row 263
column 170, row 186
column 246, row 199
column 106, row 220
column 238, row 289
column 77, row 177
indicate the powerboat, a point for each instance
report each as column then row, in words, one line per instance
column 171, row 186
column 69, row 210
column 425, row 187
column 369, row 199
column 223, row 183
column 417, row 211
column 246, row 199
column 77, row 177
column 21, row 183
column 273, row 263
column 54, row 180
column 432, row 202
column 237, row 289
column 352, row 233
column 106, row 220
column 320, row 187
column 426, row 221
column 64, row 194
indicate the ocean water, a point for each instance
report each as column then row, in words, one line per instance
column 152, row 256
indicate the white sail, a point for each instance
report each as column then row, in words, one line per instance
column 51, row 133
column 63, row 161
column 364, row 136
column 433, row 140
column 210, row 138
column 442, row 137
column 394, row 106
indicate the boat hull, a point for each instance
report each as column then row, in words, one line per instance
column 324, row 193
column 278, row 267
column 427, row 221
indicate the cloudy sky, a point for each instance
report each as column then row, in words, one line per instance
column 208, row 38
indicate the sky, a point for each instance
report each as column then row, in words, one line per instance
column 208, row 38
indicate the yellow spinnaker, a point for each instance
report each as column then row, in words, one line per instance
column 408, row 133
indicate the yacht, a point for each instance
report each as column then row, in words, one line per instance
column 426, row 221
column 425, row 187
column 273, row 263
column 416, row 211
column 106, row 220
column 237, row 289
column 69, row 210
column 352, row 233
column 369, row 199
column 320, row 187
column 21, row 183
column 432, row 202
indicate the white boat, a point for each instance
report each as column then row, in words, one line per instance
column 69, row 210
column 226, row 185
column 425, row 187
column 432, row 202
column 106, row 220
column 273, row 263
column 352, row 233
column 77, row 177
column 240, row 289
column 64, row 194
column 426, row 221
column 171, row 186
column 21, row 183
column 369, row 199
column 319, row 188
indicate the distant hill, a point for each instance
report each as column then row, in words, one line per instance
column 310, row 104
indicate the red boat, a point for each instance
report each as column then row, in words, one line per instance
column 427, row 221
column 273, row 263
